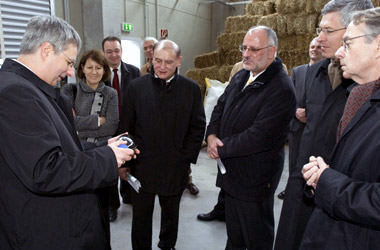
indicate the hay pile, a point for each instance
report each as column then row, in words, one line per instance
column 294, row 21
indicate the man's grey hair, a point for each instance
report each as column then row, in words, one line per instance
column 271, row 35
column 371, row 20
column 50, row 29
column 345, row 8
column 150, row 38
column 168, row 44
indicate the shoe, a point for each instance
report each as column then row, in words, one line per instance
column 281, row 195
column 112, row 215
column 192, row 189
column 213, row 215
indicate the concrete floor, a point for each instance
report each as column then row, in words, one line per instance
column 193, row 234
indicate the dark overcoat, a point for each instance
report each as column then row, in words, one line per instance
column 347, row 197
column 296, row 126
column 168, row 123
column 324, row 108
column 253, row 124
column 47, row 180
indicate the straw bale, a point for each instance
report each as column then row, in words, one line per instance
column 299, row 6
column 299, row 42
column 206, row 60
column 240, row 23
column 215, row 72
column 270, row 21
column 260, row 8
column 291, row 24
column 230, row 41
column 282, row 25
column 318, row 5
column 309, row 7
column 230, row 57
column 293, row 58
column 376, row 3
column 280, row 6
column 290, row 6
column 305, row 23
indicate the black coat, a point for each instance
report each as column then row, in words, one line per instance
column 296, row 126
column 128, row 73
column 47, row 180
column 324, row 108
column 253, row 124
column 168, row 123
column 347, row 197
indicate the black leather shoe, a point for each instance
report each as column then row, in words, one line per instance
column 192, row 189
column 211, row 216
column 281, row 195
column 112, row 215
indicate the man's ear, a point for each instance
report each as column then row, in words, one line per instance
column 272, row 50
column 46, row 48
column 179, row 61
column 377, row 41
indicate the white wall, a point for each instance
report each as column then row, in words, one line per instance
column 188, row 24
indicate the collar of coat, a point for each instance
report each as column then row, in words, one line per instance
column 13, row 66
column 161, row 82
column 323, row 69
column 273, row 69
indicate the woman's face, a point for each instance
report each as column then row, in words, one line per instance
column 93, row 72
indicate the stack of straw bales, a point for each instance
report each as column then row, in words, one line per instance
column 294, row 21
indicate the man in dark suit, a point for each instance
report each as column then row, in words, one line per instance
column 298, row 122
column 326, row 93
column 126, row 73
column 246, row 134
column 47, row 177
column 346, row 192
column 166, row 116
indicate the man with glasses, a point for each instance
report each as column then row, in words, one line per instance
column 325, row 96
column 346, row 191
column 48, row 177
column 148, row 44
column 121, row 75
column 246, row 136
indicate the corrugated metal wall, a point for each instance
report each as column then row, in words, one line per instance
column 15, row 14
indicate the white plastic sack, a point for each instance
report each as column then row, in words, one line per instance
column 215, row 89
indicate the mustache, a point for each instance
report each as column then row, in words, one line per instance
column 247, row 59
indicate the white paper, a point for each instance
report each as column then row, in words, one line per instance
column 221, row 166
column 133, row 182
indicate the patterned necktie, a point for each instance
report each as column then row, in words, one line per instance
column 358, row 96
column 116, row 85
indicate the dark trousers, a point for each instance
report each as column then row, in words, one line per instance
column 219, row 207
column 125, row 192
column 143, row 205
column 250, row 225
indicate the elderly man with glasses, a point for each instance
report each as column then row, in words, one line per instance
column 347, row 191
column 246, row 136
column 325, row 96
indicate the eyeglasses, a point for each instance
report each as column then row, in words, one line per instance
column 346, row 45
column 71, row 62
column 243, row 48
column 327, row 31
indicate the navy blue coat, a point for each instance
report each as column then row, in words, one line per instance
column 253, row 124
column 347, row 197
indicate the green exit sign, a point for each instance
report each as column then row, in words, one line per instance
column 127, row 27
